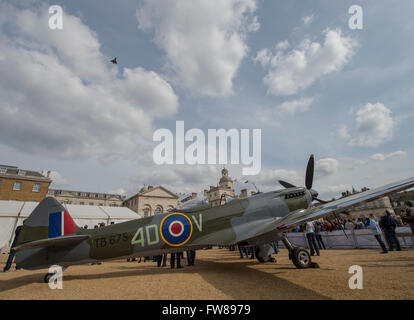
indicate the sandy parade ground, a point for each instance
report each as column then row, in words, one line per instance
column 221, row 274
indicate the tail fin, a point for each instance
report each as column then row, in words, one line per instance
column 48, row 220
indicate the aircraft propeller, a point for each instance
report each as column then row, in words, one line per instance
column 308, row 180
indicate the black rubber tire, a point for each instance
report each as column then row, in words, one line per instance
column 301, row 258
column 47, row 277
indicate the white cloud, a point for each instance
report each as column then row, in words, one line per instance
column 204, row 41
column 299, row 105
column 374, row 125
column 393, row 155
column 307, row 20
column 120, row 191
column 290, row 72
column 177, row 178
column 343, row 132
column 267, row 179
column 57, row 180
column 282, row 45
column 326, row 167
column 335, row 189
column 263, row 57
column 61, row 97
column 254, row 25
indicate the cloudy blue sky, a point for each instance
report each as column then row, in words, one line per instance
column 293, row 69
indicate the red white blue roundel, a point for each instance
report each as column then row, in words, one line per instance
column 176, row 229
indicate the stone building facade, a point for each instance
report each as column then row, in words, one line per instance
column 215, row 194
column 22, row 185
column 376, row 207
column 150, row 201
column 86, row 198
column 398, row 199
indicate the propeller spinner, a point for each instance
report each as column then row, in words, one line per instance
column 308, row 180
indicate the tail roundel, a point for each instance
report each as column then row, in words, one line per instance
column 61, row 224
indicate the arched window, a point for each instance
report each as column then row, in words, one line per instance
column 158, row 209
column 147, row 210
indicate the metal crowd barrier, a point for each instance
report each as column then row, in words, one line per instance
column 354, row 239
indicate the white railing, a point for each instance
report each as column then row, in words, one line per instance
column 360, row 239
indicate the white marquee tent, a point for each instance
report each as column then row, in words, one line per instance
column 12, row 214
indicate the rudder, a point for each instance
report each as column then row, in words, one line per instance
column 48, row 220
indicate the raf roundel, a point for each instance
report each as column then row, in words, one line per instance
column 176, row 229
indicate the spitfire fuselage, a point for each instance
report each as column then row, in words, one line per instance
column 239, row 221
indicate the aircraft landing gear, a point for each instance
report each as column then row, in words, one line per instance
column 299, row 255
column 264, row 253
column 301, row 258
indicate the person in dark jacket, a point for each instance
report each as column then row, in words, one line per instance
column 376, row 231
column 172, row 260
column 176, row 257
column 407, row 215
column 191, row 257
column 180, row 255
column 252, row 252
column 12, row 252
column 164, row 260
column 318, row 235
column 243, row 250
column 310, row 235
column 388, row 224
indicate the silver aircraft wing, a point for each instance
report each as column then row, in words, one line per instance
column 299, row 217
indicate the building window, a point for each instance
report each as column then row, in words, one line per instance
column 101, row 204
column 17, row 186
column 91, row 203
column 36, row 187
column 158, row 210
column 21, row 172
column 81, row 203
column 3, row 170
column 147, row 210
column 1, row 181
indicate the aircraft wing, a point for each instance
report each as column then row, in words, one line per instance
column 53, row 242
column 299, row 217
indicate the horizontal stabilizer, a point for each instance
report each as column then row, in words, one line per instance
column 54, row 242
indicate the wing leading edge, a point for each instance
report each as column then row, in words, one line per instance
column 301, row 216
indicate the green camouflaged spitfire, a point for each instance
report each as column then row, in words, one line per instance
column 50, row 237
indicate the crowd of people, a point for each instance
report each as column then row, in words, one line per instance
column 361, row 222
column 175, row 259
column 386, row 225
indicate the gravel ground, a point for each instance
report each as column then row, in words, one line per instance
column 221, row 274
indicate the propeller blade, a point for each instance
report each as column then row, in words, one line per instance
column 309, row 173
column 286, row 184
